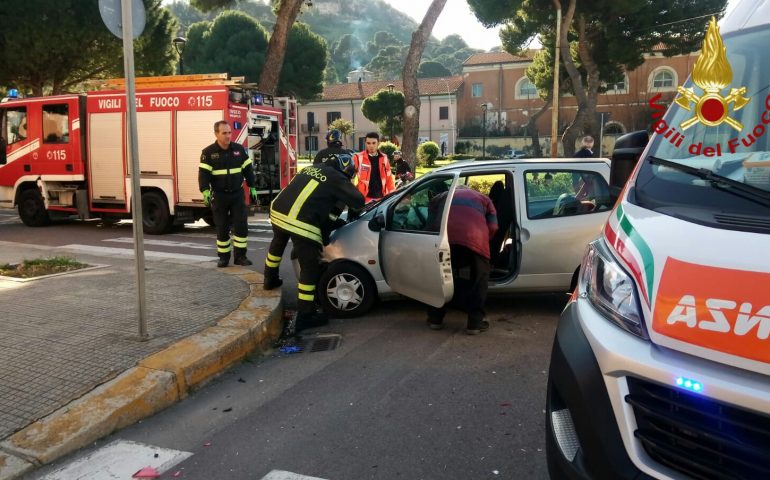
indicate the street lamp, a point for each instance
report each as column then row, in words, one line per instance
column 179, row 43
column 484, row 107
column 390, row 113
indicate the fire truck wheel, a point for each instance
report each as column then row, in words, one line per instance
column 155, row 216
column 32, row 208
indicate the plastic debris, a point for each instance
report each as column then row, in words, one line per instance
column 207, row 444
column 146, row 472
column 290, row 349
column 505, row 404
column 177, row 474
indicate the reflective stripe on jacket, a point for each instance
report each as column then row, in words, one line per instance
column 303, row 207
column 225, row 170
column 364, row 168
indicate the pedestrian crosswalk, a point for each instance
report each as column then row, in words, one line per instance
column 125, row 459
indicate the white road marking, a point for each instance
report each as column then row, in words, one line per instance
column 212, row 237
column 118, row 460
column 129, row 252
column 162, row 243
column 283, row 475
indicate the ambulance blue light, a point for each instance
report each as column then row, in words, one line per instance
column 689, row 384
column 13, row 93
column 257, row 99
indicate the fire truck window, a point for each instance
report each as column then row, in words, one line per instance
column 16, row 124
column 56, row 124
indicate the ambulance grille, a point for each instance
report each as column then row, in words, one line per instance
column 697, row 436
column 744, row 222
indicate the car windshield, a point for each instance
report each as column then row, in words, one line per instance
column 725, row 166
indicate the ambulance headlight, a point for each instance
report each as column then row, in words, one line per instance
column 610, row 289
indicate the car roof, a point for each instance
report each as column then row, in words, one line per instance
column 510, row 162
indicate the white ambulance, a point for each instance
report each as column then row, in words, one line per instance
column 661, row 362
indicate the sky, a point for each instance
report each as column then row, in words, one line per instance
column 457, row 12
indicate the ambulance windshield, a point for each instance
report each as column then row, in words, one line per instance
column 722, row 133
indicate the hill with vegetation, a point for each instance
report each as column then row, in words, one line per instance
column 359, row 33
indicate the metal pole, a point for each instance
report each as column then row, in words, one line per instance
column 601, row 135
column 136, row 194
column 555, row 111
column 484, row 135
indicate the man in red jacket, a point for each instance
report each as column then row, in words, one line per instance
column 472, row 222
column 375, row 179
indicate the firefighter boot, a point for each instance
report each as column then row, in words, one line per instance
column 242, row 260
column 224, row 260
column 306, row 320
column 272, row 280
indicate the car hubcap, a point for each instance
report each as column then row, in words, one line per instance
column 345, row 292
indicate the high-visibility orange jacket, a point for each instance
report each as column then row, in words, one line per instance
column 364, row 168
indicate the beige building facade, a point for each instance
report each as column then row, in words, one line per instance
column 438, row 112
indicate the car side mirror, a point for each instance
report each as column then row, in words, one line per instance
column 377, row 222
column 625, row 155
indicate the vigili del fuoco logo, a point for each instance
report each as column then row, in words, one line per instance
column 712, row 73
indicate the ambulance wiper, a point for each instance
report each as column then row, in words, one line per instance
column 723, row 183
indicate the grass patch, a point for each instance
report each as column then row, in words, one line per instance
column 41, row 266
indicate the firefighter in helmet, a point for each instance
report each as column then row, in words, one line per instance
column 333, row 146
column 223, row 168
column 301, row 212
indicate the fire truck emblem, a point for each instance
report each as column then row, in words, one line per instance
column 712, row 73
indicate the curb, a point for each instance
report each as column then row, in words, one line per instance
column 157, row 382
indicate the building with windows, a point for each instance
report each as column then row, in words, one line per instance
column 439, row 98
column 498, row 80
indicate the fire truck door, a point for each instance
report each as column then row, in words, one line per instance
column 15, row 142
column 58, row 139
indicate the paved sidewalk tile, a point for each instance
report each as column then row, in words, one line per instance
column 60, row 337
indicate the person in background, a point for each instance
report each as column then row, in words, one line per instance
column 403, row 172
column 586, row 149
column 223, row 168
column 375, row 178
column 333, row 147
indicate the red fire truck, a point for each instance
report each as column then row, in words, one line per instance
column 67, row 155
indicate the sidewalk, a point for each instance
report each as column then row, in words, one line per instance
column 72, row 368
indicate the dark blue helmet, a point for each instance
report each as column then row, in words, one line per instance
column 343, row 162
column 333, row 137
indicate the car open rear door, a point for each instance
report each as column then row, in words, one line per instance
column 414, row 247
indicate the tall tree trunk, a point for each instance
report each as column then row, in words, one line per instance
column 276, row 48
column 411, row 90
column 571, row 134
column 531, row 126
column 585, row 119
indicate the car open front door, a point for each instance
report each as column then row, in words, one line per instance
column 414, row 248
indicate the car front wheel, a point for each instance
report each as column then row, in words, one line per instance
column 346, row 290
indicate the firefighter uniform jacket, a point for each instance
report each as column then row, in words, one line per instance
column 224, row 170
column 303, row 207
column 364, row 168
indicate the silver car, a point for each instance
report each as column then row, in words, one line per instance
column 548, row 211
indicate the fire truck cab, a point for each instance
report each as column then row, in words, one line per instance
column 68, row 154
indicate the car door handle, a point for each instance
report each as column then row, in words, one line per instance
column 524, row 235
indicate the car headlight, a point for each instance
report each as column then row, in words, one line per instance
column 610, row 289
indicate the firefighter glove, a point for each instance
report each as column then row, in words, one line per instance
column 253, row 192
column 207, row 197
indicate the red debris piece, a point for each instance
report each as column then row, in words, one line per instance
column 207, row 444
column 505, row 404
column 146, row 472
column 176, row 474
